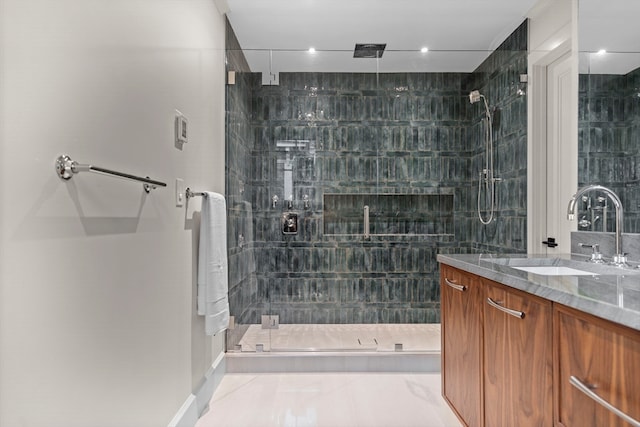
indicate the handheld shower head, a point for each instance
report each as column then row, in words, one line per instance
column 474, row 96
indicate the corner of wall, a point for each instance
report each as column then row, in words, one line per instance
column 197, row 402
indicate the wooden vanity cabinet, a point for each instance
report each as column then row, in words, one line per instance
column 461, row 322
column 518, row 358
column 605, row 358
column 510, row 358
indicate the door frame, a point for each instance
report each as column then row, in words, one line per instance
column 537, row 174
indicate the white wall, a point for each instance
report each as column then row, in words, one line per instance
column 97, row 303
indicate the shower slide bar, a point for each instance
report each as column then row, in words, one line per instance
column 66, row 168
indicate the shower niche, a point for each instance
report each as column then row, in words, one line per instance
column 388, row 214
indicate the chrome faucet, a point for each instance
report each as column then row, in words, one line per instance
column 619, row 258
column 596, row 256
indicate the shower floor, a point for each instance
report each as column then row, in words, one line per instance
column 351, row 337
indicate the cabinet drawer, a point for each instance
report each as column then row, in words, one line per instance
column 598, row 366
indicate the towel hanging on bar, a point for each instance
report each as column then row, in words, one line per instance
column 212, row 297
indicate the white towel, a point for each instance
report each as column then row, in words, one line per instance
column 213, row 287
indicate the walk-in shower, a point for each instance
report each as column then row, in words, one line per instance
column 487, row 181
column 320, row 146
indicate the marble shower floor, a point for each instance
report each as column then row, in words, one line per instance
column 350, row 337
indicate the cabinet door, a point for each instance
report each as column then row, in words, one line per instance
column 604, row 361
column 461, row 322
column 518, row 358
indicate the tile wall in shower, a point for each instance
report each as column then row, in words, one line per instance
column 497, row 78
column 239, row 146
column 397, row 135
column 392, row 134
column 608, row 149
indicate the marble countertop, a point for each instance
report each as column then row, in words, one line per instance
column 611, row 293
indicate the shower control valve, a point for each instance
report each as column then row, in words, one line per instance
column 274, row 201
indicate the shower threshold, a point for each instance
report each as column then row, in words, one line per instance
column 352, row 338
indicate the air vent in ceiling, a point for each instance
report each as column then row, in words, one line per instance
column 369, row 50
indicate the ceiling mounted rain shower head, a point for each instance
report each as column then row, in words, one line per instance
column 474, row 96
column 369, row 50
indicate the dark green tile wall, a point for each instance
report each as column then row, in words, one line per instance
column 608, row 150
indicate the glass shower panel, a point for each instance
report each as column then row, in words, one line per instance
column 308, row 150
column 335, row 133
column 247, row 295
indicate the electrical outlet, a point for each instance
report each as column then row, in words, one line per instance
column 180, row 196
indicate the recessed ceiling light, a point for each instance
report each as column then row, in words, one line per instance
column 312, row 50
column 424, row 50
column 602, row 51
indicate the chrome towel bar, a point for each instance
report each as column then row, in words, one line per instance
column 191, row 194
column 66, row 168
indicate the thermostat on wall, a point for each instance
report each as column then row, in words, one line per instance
column 181, row 128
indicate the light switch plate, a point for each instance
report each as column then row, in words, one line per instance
column 181, row 128
column 180, row 192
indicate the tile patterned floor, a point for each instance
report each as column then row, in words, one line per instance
column 329, row 400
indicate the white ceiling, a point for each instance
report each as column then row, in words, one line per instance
column 611, row 25
column 276, row 34
column 460, row 34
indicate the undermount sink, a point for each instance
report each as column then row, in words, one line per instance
column 561, row 266
column 556, row 271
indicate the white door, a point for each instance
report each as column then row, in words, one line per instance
column 554, row 158
column 561, row 154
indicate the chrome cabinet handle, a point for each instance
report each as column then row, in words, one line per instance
column 455, row 286
column 514, row 313
column 586, row 390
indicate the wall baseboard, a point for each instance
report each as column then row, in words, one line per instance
column 195, row 405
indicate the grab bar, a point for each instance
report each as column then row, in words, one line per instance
column 66, row 168
column 367, row 231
